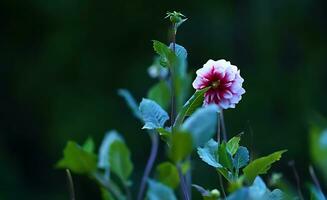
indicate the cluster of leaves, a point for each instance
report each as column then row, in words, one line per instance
column 193, row 129
column 229, row 157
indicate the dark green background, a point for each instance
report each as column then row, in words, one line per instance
column 61, row 64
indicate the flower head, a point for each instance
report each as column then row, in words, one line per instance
column 225, row 83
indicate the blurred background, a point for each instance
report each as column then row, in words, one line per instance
column 62, row 62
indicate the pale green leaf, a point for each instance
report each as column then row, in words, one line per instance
column 77, row 159
column 233, row 144
column 202, row 124
column 209, row 154
column 181, row 146
column 89, row 145
column 225, row 158
column 120, row 160
column 159, row 191
column 153, row 115
column 110, row 137
column 160, row 93
column 241, row 157
column 261, row 165
column 191, row 105
column 167, row 174
column 168, row 57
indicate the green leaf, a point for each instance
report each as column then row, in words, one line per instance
column 318, row 147
column 158, row 191
column 261, row 165
column 202, row 124
column 225, row 158
column 241, row 157
column 106, row 195
column 168, row 57
column 191, row 105
column 160, row 93
column 181, row 146
column 120, row 160
column 233, row 144
column 88, row 145
column 130, row 102
column 77, row 159
column 167, row 174
column 209, row 154
column 110, row 137
column 153, row 115
column 226, row 174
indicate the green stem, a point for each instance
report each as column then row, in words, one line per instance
column 172, row 83
column 110, row 186
column 223, row 127
column 71, row 184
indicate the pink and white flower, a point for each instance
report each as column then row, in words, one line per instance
column 225, row 83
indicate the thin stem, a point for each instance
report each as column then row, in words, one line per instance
column 188, row 178
column 149, row 165
column 183, row 183
column 223, row 127
column 218, row 128
column 109, row 185
column 172, row 83
column 314, row 177
column 70, row 184
column 222, row 185
column 297, row 179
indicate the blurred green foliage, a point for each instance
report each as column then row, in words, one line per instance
column 62, row 62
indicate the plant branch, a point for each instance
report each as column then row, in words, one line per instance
column 218, row 128
column 183, row 183
column 70, row 184
column 109, row 185
column 172, row 83
column 223, row 127
column 222, row 185
column 149, row 165
column 314, row 178
column 297, row 179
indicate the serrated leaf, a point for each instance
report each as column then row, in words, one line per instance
column 191, row 105
column 241, row 157
column 160, row 93
column 153, row 115
column 77, row 159
column 181, row 146
column 167, row 174
column 261, row 165
column 225, row 158
column 202, row 124
column 158, row 191
column 168, row 57
column 110, row 137
column 233, row 144
column 130, row 101
column 89, row 145
column 120, row 160
column 209, row 154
